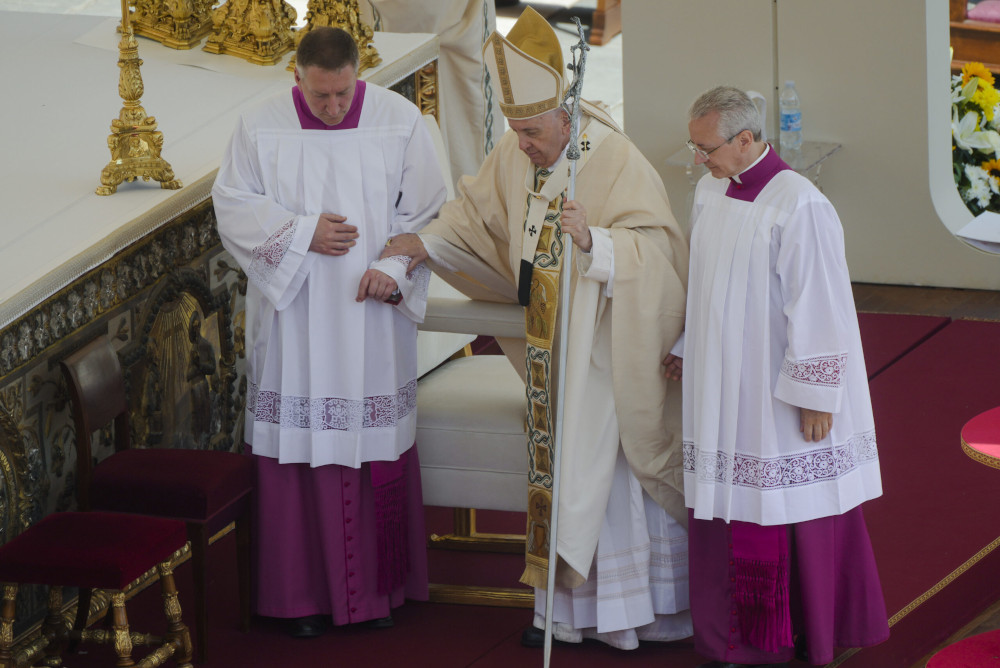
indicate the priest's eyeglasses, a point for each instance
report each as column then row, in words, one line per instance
column 697, row 150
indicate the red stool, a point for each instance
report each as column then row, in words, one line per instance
column 981, row 438
column 94, row 550
column 978, row 651
column 205, row 489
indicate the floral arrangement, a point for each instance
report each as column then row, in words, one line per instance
column 975, row 121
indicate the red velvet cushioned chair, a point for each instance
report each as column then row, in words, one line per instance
column 93, row 550
column 205, row 489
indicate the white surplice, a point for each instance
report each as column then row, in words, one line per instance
column 777, row 330
column 330, row 380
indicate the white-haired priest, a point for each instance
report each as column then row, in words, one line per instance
column 622, row 544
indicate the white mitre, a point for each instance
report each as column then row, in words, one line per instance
column 526, row 67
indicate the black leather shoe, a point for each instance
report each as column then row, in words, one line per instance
column 312, row 626
column 535, row 638
column 720, row 664
column 801, row 649
column 381, row 623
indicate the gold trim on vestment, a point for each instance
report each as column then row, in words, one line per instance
column 540, row 330
column 528, row 110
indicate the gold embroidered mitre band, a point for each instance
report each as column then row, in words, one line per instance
column 526, row 67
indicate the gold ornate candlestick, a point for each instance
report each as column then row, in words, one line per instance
column 134, row 141
column 341, row 14
column 261, row 31
column 179, row 24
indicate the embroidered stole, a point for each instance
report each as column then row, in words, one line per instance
column 538, row 290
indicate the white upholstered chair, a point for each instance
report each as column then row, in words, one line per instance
column 470, row 424
column 471, row 439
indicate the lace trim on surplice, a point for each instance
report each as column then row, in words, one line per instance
column 804, row 468
column 823, row 370
column 264, row 259
column 323, row 413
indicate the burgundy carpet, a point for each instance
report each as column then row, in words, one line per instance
column 937, row 513
column 938, row 510
column 888, row 337
column 426, row 635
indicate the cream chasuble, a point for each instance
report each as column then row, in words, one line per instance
column 480, row 236
column 302, row 316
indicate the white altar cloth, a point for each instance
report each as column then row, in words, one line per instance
column 60, row 86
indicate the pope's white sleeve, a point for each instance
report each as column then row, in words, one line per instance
column 599, row 264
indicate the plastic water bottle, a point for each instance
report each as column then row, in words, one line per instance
column 791, row 118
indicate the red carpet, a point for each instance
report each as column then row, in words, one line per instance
column 888, row 337
column 426, row 635
column 938, row 510
column 938, row 513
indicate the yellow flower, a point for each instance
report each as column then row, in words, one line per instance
column 970, row 70
column 992, row 166
column 987, row 98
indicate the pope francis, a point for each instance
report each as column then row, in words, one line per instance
column 622, row 545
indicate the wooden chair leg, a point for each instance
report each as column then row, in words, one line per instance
column 243, row 531
column 198, row 535
column 177, row 632
column 7, row 608
column 120, row 631
column 54, row 628
column 83, row 599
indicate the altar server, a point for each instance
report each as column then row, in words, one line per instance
column 779, row 439
column 313, row 183
column 622, row 546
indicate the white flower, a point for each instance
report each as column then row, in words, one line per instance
column 992, row 137
column 981, row 186
column 968, row 138
column 956, row 88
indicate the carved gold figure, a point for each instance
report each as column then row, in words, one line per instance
column 134, row 141
column 179, row 24
column 341, row 14
column 261, row 31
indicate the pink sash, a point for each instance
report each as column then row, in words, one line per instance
column 762, row 578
